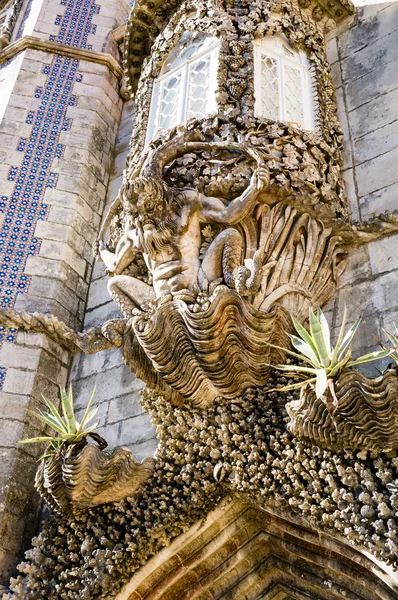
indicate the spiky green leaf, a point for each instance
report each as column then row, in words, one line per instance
column 92, row 427
column 36, row 440
column 80, row 427
column 325, row 332
column 50, row 420
column 321, row 383
column 319, row 340
column 67, row 407
column 297, row 368
column 337, row 367
column 303, row 333
column 91, row 416
column 348, row 339
column 286, row 351
column 292, row 386
column 340, row 338
column 52, row 408
column 305, row 349
column 361, row 360
column 393, row 340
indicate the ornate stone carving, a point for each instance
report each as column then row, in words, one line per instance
column 221, row 226
column 8, row 17
column 280, row 562
column 342, row 493
column 78, row 478
column 164, row 225
column 365, row 418
column 317, row 13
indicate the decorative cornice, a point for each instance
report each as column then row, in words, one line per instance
column 30, row 42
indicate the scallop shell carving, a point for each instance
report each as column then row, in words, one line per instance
column 80, row 479
column 218, row 352
column 366, row 416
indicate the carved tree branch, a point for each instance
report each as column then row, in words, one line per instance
column 91, row 341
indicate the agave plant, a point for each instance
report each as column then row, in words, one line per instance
column 324, row 363
column 393, row 338
column 69, row 430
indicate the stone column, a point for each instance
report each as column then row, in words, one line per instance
column 60, row 112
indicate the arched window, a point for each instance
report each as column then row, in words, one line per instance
column 186, row 86
column 283, row 83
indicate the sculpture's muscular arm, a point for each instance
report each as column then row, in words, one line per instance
column 213, row 210
column 125, row 250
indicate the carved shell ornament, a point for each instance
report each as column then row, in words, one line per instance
column 366, row 415
column 231, row 225
column 79, row 478
column 290, row 260
column 74, row 475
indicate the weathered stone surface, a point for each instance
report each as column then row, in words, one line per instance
column 240, row 549
column 377, row 173
column 283, row 474
column 80, row 171
column 62, row 271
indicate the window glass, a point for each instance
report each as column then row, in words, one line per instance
column 186, row 86
column 283, row 83
column 269, row 87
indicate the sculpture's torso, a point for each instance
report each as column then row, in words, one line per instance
column 175, row 267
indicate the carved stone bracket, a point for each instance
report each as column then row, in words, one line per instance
column 366, row 416
column 77, row 478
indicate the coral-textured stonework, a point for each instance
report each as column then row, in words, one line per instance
column 228, row 229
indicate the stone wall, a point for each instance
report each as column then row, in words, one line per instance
column 123, row 421
column 57, row 139
column 83, row 175
column 364, row 62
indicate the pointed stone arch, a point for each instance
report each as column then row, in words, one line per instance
column 244, row 553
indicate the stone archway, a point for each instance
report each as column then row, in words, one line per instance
column 244, row 553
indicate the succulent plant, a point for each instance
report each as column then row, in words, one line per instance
column 68, row 429
column 393, row 338
column 324, row 361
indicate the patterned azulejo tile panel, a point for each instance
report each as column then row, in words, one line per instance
column 25, row 205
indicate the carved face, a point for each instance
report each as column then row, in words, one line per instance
column 150, row 202
column 151, row 210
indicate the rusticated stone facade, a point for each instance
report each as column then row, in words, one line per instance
column 297, row 482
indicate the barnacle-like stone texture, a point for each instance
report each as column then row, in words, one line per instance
column 340, row 492
column 241, row 551
column 79, row 478
column 366, row 415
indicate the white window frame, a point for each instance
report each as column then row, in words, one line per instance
column 273, row 47
column 182, row 107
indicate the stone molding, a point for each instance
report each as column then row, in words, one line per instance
column 31, row 42
column 264, row 548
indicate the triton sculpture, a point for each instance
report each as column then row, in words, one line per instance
column 225, row 227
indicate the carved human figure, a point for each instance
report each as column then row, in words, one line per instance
column 165, row 226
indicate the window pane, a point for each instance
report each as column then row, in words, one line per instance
column 269, row 88
column 186, row 48
column 293, row 96
column 198, row 88
column 186, row 87
column 168, row 106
